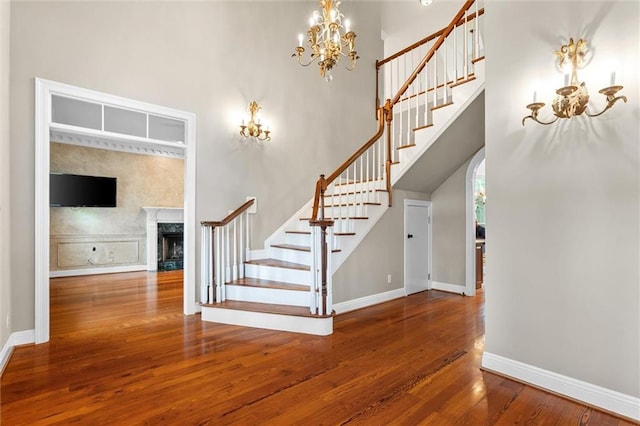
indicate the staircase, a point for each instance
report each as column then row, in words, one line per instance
column 427, row 86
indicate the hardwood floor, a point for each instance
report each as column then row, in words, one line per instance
column 121, row 352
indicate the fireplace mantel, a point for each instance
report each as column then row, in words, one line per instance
column 157, row 215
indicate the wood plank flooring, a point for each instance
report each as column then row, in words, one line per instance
column 122, row 353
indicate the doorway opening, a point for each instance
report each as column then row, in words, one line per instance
column 123, row 131
column 470, row 219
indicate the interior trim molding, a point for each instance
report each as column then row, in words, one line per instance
column 450, row 288
column 363, row 302
column 44, row 90
column 470, row 231
column 96, row 271
column 15, row 339
column 597, row 396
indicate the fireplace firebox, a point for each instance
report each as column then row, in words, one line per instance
column 170, row 246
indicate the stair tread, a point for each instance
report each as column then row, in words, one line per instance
column 262, row 283
column 446, row 104
column 334, row 218
column 411, row 145
column 276, row 263
column 298, row 248
column 366, row 203
column 339, row 234
column 265, row 308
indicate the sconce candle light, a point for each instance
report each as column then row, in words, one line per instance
column 254, row 127
column 326, row 40
column 573, row 98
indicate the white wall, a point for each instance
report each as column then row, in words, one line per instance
column 210, row 58
column 381, row 253
column 563, row 283
column 405, row 22
column 449, row 238
column 5, row 223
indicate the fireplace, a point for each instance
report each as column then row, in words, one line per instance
column 172, row 222
column 170, row 246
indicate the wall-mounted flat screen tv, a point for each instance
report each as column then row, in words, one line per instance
column 67, row 190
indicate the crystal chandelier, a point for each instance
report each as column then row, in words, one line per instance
column 326, row 40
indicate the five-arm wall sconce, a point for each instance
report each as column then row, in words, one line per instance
column 573, row 98
column 254, row 128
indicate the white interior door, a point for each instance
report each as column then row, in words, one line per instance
column 417, row 246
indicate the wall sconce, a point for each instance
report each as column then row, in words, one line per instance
column 254, row 127
column 573, row 98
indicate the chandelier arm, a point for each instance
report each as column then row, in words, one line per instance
column 535, row 118
column 610, row 103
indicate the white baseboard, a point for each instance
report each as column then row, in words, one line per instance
column 15, row 339
column 609, row 400
column 363, row 302
column 451, row 288
column 96, row 271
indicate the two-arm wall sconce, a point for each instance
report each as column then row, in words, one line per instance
column 573, row 98
column 254, row 127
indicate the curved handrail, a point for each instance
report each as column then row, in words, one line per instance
column 453, row 24
column 323, row 183
column 237, row 212
column 425, row 40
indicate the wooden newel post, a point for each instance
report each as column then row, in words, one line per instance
column 388, row 111
column 324, row 253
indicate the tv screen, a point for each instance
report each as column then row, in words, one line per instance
column 81, row 191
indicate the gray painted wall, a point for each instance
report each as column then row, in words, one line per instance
column 448, row 224
column 380, row 253
column 563, row 290
column 5, row 220
column 210, row 58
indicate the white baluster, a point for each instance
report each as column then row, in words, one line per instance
column 426, row 93
column 218, row 264
column 476, row 42
column 446, row 80
column 242, row 219
column 329, row 275
column 204, row 262
column 435, row 79
column 466, row 49
column 234, row 273
column 455, row 53
column 314, row 270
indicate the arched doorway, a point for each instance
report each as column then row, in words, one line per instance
column 470, row 206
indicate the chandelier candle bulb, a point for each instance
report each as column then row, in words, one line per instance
column 347, row 25
column 613, row 78
column 535, row 96
column 299, row 40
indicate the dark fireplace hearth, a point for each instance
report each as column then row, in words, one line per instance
column 170, row 246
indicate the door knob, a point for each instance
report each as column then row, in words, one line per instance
column 410, row 236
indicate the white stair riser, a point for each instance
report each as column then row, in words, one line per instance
column 298, row 239
column 295, row 256
column 268, row 295
column 292, row 276
column 307, row 325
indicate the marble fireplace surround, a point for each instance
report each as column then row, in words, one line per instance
column 157, row 215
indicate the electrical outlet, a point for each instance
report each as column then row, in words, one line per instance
column 389, row 279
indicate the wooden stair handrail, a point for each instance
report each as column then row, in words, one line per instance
column 434, row 48
column 237, row 212
column 425, row 40
column 323, row 183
